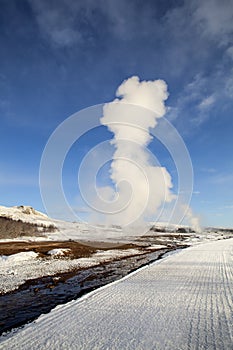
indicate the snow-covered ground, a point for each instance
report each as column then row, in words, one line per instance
column 26, row 214
column 181, row 302
column 17, row 268
column 58, row 252
column 17, row 258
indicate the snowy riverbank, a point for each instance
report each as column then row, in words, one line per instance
column 18, row 268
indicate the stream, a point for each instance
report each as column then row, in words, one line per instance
column 39, row 296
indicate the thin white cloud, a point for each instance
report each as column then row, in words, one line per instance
column 208, row 170
column 193, row 101
column 206, row 102
column 228, row 206
column 128, row 20
column 229, row 52
column 66, row 23
column 229, row 84
column 223, row 179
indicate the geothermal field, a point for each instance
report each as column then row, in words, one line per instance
column 116, row 175
column 171, row 288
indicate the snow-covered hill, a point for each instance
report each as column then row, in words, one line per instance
column 53, row 229
column 25, row 214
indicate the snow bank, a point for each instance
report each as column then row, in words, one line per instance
column 16, row 258
column 156, row 247
column 58, row 252
column 117, row 252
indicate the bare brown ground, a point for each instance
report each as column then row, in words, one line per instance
column 77, row 249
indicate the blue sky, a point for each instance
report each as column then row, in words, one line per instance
column 58, row 57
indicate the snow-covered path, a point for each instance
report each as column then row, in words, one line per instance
column 181, row 302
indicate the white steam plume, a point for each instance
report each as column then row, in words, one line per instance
column 140, row 187
column 194, row 220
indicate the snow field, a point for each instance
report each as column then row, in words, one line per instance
column 181, row 302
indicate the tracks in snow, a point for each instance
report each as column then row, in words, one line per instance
column 181, row 302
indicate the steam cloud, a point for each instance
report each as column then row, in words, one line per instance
column 194, row 221
column 140, row 188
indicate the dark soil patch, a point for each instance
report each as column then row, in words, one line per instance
column 77, row 249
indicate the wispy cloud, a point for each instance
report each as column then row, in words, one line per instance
column 57, row 21
column 208, row 25
column 214, row 19
column 209, row 170
column 206, row 102
column 228, row 206
column 194, row 101
column 223, row 179
column 196, row 192
column 67, row 23
column 229, row 84
column 229, row 52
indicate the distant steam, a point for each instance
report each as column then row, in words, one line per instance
column 193, row 220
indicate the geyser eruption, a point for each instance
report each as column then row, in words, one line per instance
column 140, row 187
